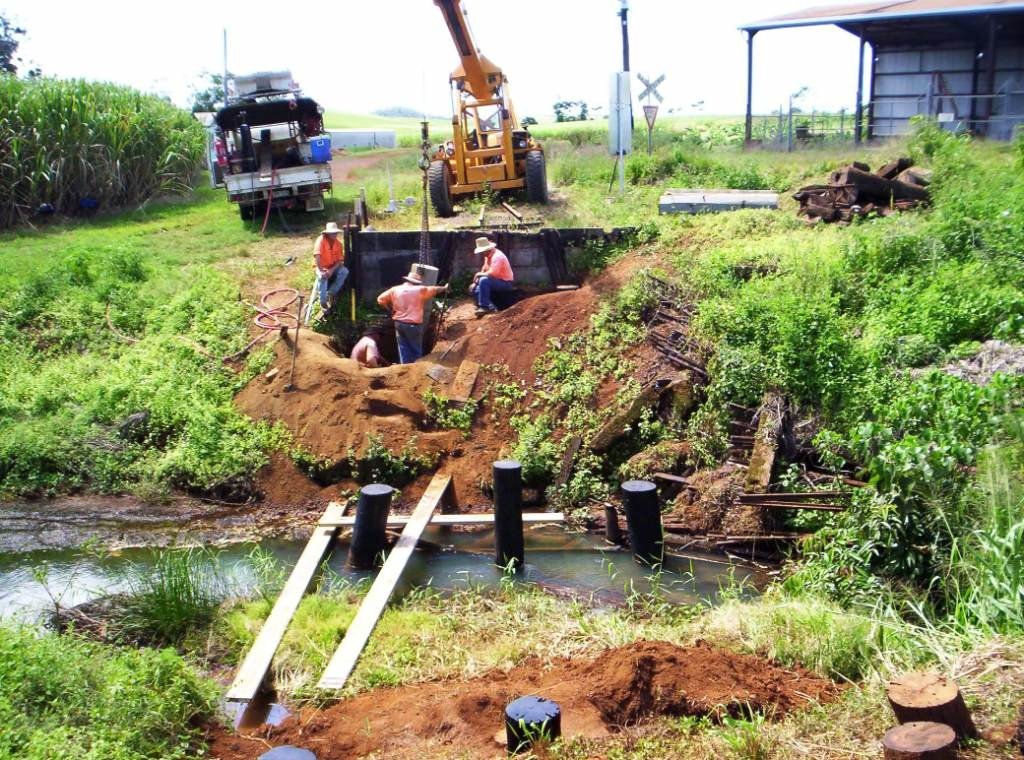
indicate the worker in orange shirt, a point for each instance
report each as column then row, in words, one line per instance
column 496, row 274
column 329, row 255
column 406, row 303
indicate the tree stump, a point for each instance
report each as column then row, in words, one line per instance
column 920, row 740
column 929, row 697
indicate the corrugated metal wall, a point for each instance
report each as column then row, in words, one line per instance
column 929, row 80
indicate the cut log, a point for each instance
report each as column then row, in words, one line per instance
column 616, row 427
column 929, row 697
column 766, row 444
column 920, row 740
column 894, row 168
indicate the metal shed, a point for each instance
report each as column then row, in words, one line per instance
column 960, row 61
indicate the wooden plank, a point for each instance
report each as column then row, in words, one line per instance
column 257, row 661
column 347, row 655
column 398, row 521
column 465, row 379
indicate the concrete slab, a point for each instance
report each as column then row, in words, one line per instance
column 698, row 201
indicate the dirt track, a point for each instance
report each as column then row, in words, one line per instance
column 619, row 688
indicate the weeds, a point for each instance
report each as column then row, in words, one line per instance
column 448, row 415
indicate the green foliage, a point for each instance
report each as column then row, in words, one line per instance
column 694, row 169
column 69, row 143
column 446, row 414
column 176, row 596
column 379, row 464
column 63, row 698
column 71, row 382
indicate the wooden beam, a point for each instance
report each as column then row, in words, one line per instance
column 347, row 655
column 257, row 661
column 398, row 521
column 465, row 380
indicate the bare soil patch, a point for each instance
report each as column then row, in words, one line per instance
column 619, row 688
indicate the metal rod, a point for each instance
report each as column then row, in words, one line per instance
column 749, row 124
column 295, row 345
column 859, row 117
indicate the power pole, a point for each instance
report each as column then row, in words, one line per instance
column 624, row 15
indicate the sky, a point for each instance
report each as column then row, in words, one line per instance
column 359, row 56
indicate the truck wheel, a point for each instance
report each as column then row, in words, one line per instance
column 536, row 177
column 247, row 211
column 440, row 191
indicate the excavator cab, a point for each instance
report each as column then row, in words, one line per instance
column 488, row 149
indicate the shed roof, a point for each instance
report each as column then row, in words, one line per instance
column 933, row 19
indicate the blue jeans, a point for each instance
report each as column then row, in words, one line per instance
column 410, row 342
column 331, row 286
column 488, row 285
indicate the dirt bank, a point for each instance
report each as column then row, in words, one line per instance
column 620, row 688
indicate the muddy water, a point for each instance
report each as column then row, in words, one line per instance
column 569, row 563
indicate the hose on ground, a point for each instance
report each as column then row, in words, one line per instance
column 272, row 316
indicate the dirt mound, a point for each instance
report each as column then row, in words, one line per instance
column 517, row 336
column 620, row 687
column 336, row 405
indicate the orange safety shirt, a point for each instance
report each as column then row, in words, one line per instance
column 498, row 266
column 331, row 251
column 406, row 301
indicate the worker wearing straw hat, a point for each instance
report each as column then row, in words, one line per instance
column 329, row 255
column 495, row 275
column 406, row 303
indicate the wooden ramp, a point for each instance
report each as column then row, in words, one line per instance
column 257, row 661
column 465, row 381
column 345, row 658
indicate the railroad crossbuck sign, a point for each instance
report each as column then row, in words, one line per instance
column 652, row 88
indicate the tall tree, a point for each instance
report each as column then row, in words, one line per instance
column 9, row 34
column 210, row 97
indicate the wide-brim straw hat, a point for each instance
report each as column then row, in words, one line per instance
column 483, row 245
column 332, row 228
column 414, row 277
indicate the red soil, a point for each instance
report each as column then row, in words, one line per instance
column 619, row 688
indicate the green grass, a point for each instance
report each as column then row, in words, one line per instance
column 63, row 698
column 70, row 380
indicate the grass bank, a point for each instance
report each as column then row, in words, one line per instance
column 72, row 381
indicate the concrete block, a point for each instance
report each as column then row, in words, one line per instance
column 711, row 201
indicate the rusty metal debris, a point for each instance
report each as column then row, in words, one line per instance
column 856, row 191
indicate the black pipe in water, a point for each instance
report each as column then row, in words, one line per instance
column 643, row 518
column 369, row 534
column 508, row 514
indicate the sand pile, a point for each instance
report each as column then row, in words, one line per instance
column 619, row 688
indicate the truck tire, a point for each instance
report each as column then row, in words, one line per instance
column 440, row 191
column 247, row 211
column 536, row 177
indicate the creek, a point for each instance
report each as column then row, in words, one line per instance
column 576, row 564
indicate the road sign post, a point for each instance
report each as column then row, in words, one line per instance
column 651, row 114
column 650, row 110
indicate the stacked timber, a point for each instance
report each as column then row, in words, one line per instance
column 856, row 191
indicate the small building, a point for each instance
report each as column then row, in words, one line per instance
column 958, row 61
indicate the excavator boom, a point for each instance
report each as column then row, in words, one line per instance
column 476, row 75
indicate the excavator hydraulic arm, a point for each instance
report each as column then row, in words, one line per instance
column 476, row 75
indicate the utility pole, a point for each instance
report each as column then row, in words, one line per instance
column 225, row 82
column 624, row 15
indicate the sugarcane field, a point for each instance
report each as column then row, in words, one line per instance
column 626, row 380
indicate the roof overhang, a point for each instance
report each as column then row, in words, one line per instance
column 891, row 22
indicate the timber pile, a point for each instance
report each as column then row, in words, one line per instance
column 856, row 191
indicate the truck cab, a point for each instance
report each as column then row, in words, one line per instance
column 271, row 146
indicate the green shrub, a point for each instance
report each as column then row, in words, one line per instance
column 63, row 698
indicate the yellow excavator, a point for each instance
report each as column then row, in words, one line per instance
column 488, row 148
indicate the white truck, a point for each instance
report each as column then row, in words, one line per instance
column 271, row 146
